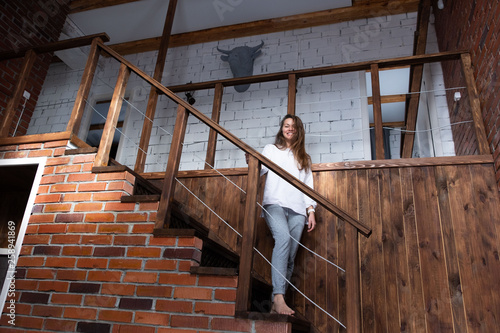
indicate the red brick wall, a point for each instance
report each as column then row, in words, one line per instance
column 90, row 263
column 474, row 26
column 24, row 24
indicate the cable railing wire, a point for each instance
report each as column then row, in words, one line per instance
column 256, row 250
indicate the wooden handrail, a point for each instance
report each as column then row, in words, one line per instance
column 327, row 70
column 361, row 227
column 54, row 46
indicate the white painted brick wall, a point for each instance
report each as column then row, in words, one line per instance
column 330, row 106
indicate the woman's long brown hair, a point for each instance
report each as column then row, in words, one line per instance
column 298, row 146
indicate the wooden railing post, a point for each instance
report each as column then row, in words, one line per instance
column 377, row 114
column 83, row 92
column 174, row 159
column 353, row 299
column 108, row 132
column 244, row 292
column 10, row 110
column 475, row 105
column 292, row 94
column 212, row 136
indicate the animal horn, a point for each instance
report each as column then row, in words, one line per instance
column 223, row 51
column 256, row 48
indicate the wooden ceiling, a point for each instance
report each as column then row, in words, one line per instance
column 360, row 9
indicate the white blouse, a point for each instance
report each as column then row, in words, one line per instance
column 277, row 190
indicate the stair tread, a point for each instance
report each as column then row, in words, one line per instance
column 117, row 167
column 140, row 198
column 299, row 323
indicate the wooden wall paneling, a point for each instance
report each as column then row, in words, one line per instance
column 321, row 243
column 341, row 201
column 213, row 188
column 353, row 271
column 417, row 321
column 484, row 240
column 450, row 251
column 464, row 214
column 376, row 259
column 329, row 189
column 364, row 207
column 230, row 210
column 396, row 188
column 433, row 261
column 366, row 252
column 388, row 206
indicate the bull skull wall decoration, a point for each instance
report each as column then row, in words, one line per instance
column 240, row 61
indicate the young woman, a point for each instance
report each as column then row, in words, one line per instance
column 286, row 209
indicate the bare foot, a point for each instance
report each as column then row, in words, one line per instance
column 279, row 306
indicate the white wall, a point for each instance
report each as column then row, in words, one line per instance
column 333, row 107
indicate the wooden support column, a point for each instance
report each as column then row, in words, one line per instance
column 244, row 291
column 153, row 94
column 212, row 136
column 416, row 73
column 475, row 105
column 377, row 114
column 83, row 92
column 174, row 159
column 353, row 291
column 292, row 93
column 10, row 110
column 108, row 132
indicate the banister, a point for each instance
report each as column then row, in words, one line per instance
column 362, row 228
column 326, row 70
column 54, row 46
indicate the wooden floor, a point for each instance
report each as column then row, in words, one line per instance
column 430, row 265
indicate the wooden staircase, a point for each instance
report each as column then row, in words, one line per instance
column 217, row 258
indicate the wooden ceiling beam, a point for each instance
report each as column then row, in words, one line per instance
column 77, row 6
column 359, row 10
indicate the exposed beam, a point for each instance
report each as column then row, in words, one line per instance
column 416, row 74
column 393, row 124
column 389, row 99
column 359, row 10
column 54, row 46
column 153, row 93
column 77, row 6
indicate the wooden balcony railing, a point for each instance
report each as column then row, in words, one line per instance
column 29, row 54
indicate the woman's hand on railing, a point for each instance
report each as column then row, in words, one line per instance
column 311, row 221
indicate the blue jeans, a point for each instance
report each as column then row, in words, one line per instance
column 283, row 223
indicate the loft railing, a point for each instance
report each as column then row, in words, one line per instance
column 255, row 160
column 29, row 55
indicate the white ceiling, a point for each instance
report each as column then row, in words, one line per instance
column 145, row 19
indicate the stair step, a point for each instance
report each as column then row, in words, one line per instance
column 299, row 323
column 141, row 198
column 142, row 186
